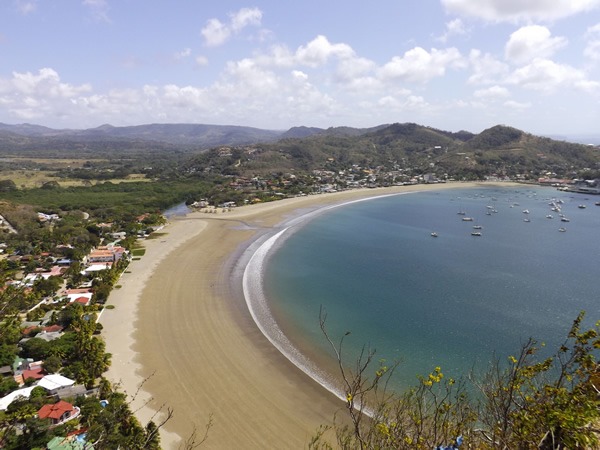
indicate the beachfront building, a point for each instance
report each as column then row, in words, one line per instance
column 105, row 254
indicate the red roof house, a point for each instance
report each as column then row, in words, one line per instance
column 57, row 413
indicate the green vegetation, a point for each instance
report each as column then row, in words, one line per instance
column 527, row 403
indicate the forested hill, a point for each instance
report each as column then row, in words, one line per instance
column 409, row 147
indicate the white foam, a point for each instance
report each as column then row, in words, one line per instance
column 252, row 283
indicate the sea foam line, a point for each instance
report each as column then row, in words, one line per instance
column 256, row 300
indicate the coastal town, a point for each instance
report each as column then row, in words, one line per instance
column 52, row 355
column 53, row 294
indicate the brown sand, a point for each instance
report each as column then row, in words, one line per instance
column 180, row 325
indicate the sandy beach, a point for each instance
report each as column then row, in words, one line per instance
column 182, row 330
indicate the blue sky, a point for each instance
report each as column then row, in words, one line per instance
column 448, row 64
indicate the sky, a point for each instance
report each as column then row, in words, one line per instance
column 274, row 64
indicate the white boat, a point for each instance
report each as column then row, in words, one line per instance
column 467, row 219
column 526, row 220
column 525, row 211
column 475, row 233
column 549, row 216
column 562, row 229
column 477, row 227
column 581, row 206
column 434, row 234
column 564, row 219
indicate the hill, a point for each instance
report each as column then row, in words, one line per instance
column 31, row 139
column 412, row 149
column 406, row 147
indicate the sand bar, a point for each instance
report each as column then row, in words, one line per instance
column 181, row 323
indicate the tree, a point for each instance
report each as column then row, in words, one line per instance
column 47, row 287
column 553, row 403
column 52, row 364
column 7, row 186
column 547, row 404
column 35, row 348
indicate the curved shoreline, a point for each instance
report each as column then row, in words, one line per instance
column 179, row 329
column 258, row 304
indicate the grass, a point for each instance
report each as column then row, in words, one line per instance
column 137, row 252
column 27, row 179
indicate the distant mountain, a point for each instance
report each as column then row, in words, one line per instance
column 187, row 135
column 301, row 132
column 589, row 139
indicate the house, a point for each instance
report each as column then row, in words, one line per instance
column 79, row 295
column 105, row 254
column 54, row 382
column 59, row 412
column 14, row 395
column 67, row 443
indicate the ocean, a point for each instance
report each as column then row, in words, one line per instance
column 456, row 301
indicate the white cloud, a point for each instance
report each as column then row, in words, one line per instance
column 216, row 33
column 530, row 42
column 519, row 10
column 245, row 17
column 453, row 28
column 420, row 66
column 28, row 95
column 201, row 61
column 517, row 105
column 493, row 92
column 185, row 53
column 547, row 76
column 486, row 68
column 592, row 49
column 26, row 7
column 402, row 103
column 318, row 51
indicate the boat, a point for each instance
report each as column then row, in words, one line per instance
column 581, row 206
column 526, row 220
column 477, row 227
column 475, row 233
column 434, row 234
column 525, row 211
column 461, row 213
column 564, row 219
column 467, row 219
column 562, row 229
column 597, row 203
column 549, row 216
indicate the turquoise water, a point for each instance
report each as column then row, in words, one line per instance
column 453, row 301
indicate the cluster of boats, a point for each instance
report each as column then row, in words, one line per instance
column 555, row 204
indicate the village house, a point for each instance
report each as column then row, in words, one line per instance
column 105, row 254
column 59, row 412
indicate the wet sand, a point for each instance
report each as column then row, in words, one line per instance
column 181, row 328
